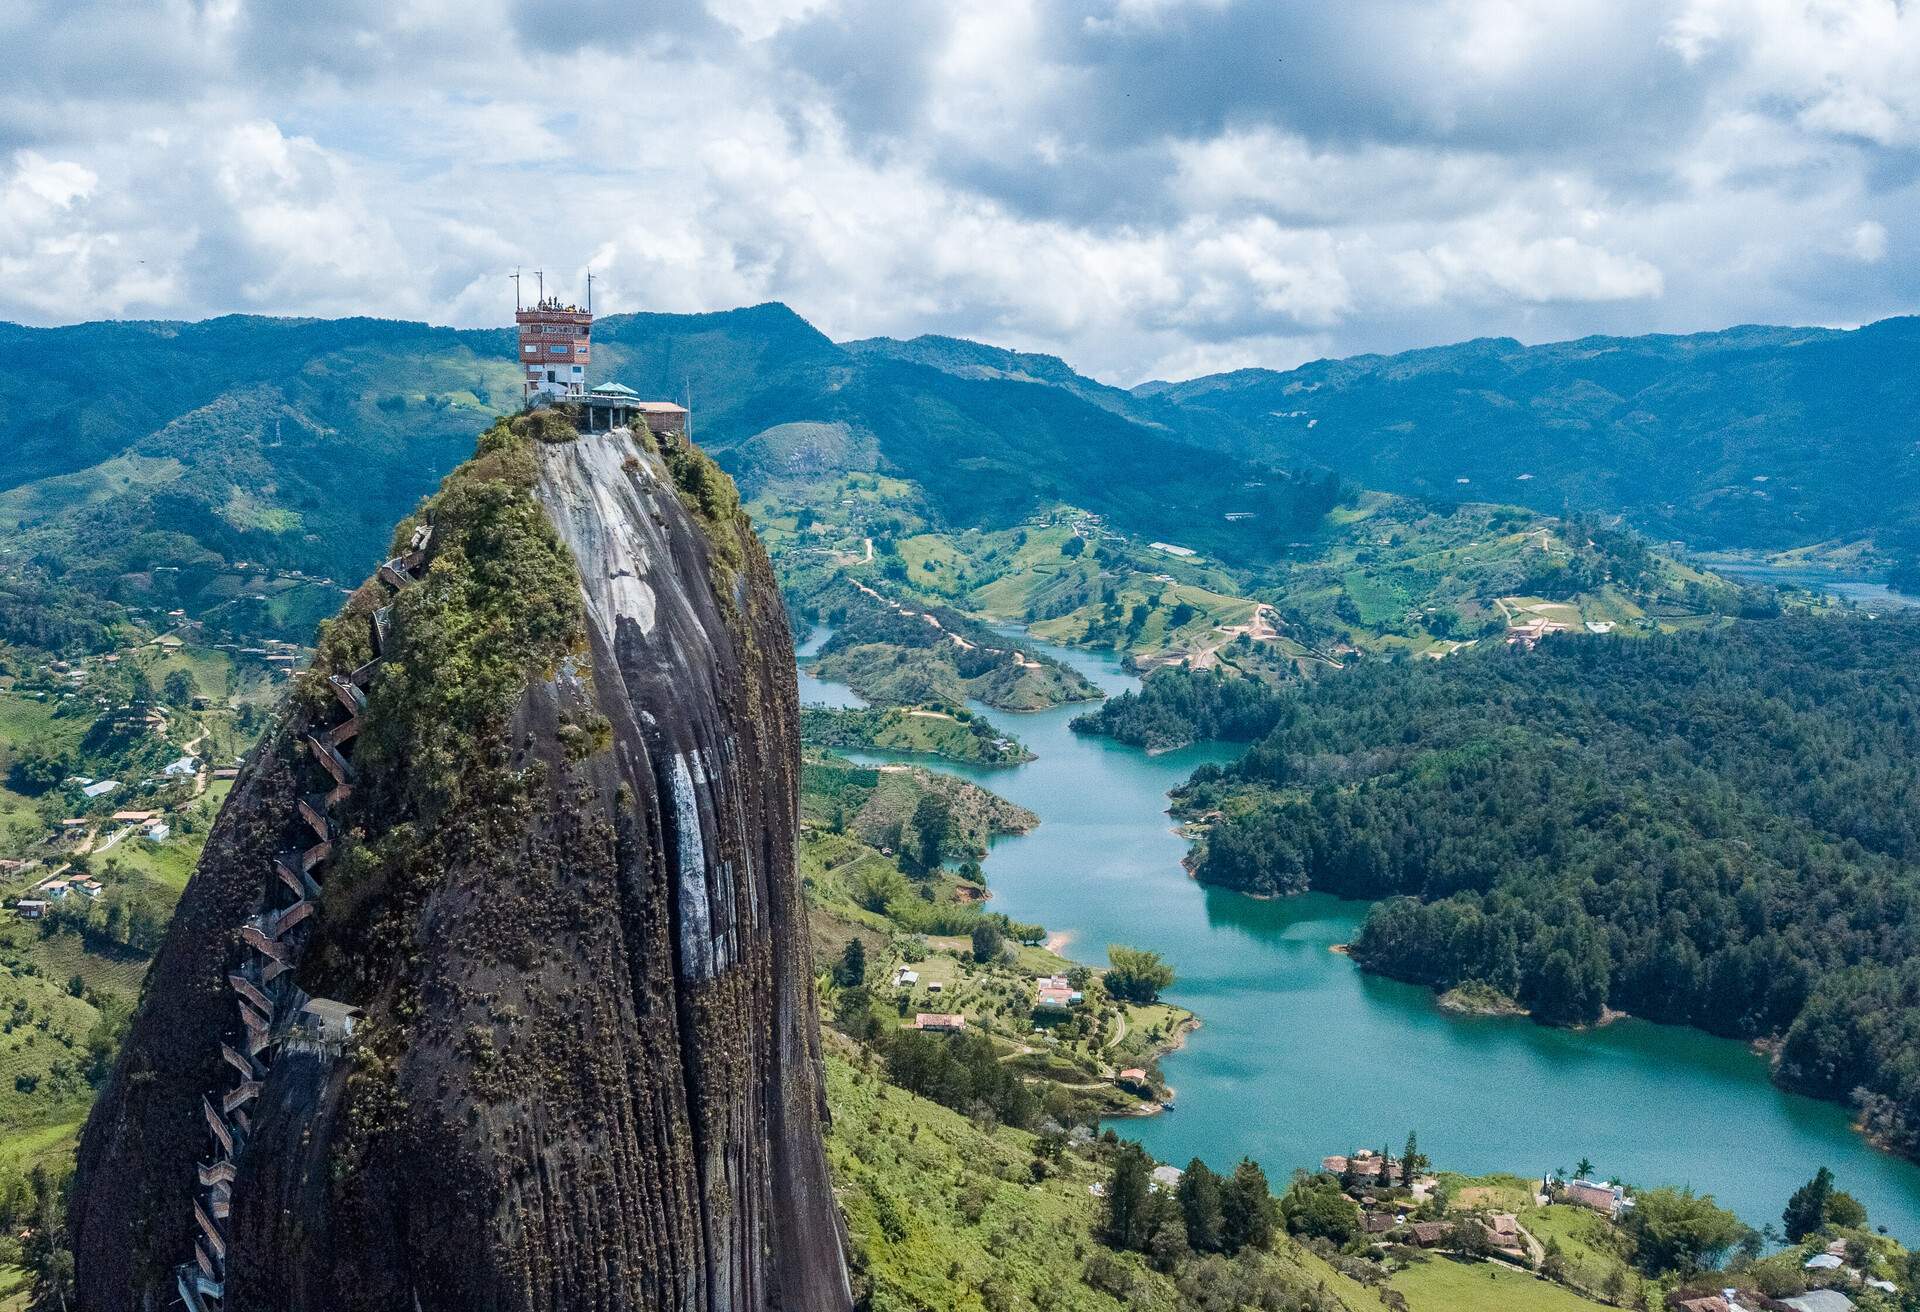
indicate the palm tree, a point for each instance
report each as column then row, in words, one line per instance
column 1583, row 1169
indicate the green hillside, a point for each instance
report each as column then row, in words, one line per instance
column 1751, row 438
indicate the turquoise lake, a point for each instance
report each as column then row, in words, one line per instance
column 1301, row 1054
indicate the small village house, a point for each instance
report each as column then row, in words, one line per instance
column 939, row 1022
column 1608, row 1199
column 1052, row 993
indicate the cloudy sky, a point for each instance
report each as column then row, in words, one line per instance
column 1147, row 187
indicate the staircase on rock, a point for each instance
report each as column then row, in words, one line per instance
column 272, row 1010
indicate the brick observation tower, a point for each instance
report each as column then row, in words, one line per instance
column 555, row 345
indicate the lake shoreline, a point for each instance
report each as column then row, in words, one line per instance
column 1271, row 1073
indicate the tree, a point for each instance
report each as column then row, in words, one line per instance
column 852, row 967
column 1807, row 1208
column 1136, row 975
column 1315, row 1207
column 1167, row 1245
column 179, row 688
column 1469, row 1237
column 987, row 941
column 932, row 820
column 1073, row 546
column 1675, row 1230
column 1412, row 1160
column 1124, row 1212
column 1200, row 1206
column 1583, row 1169
column 1843, row 1209
column 1246, row 1208
column 37, row 769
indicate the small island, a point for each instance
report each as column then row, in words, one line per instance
column 931, row 729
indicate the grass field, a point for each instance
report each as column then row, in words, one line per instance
column 1580, row 1235
column 944, row 1214
column 20, row 1149
column 166, row 866
column 1442, row 1284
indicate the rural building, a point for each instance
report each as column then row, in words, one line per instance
column 1603, row 1197
column 906, row 979
column 1365, row 1163
column 1430, row 1234
column 555, row 347
column 322, row 1026
column 940, row 1022
column 663, row 417
column 1819, row 1300
column 30, row 908
column 1053, row 993
column 1167, row 1177
column 1529, row 632
column 1698, row 1303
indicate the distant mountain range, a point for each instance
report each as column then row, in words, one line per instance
column 294, row 443
column 1751, row 437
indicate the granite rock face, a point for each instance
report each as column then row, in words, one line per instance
column 565, row 899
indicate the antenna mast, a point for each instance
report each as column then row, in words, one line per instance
column 589, row 291
column 541, row 274
column 515, row 275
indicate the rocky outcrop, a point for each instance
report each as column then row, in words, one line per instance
column 562, row 894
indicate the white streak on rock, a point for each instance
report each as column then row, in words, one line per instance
column 696, row 914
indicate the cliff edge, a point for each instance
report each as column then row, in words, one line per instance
column 492, row 989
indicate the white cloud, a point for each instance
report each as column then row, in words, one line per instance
column 1869, row 242
column 1143, row 186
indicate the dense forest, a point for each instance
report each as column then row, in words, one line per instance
column 1174, row 707
column 1719, row 829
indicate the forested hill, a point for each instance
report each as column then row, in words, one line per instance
column 1751, row 437
column 131, row 448
column 1717, row 829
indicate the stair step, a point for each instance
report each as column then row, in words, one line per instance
column 313, row 811
column 215, row 1240
column 248, row 990
column 348, row 692
column 330, row 758
column 218, row 1124
column 257, row 939
column 291, row 916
